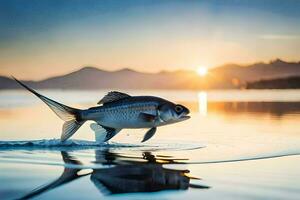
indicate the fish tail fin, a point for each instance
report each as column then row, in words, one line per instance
column 71, row 116
column 69, row 128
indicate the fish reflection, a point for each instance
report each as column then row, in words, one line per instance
column 124, row 174
column 68, row 175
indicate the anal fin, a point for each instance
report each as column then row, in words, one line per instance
column 103, row 133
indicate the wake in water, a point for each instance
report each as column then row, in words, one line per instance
column 57, row 144
column 188, row 152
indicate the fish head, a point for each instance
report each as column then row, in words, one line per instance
column 172, row 113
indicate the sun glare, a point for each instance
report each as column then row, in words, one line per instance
column 202, row 71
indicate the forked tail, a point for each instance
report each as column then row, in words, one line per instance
column 71, row 116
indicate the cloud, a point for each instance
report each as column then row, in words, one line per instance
column 279, row 37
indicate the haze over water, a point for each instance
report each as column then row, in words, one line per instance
column 241, row 144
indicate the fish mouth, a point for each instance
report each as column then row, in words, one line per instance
column 185, row 117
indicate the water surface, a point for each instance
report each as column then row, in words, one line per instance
column 238, row 144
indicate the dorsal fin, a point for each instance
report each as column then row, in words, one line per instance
column 113, row 96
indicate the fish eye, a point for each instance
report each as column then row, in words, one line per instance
column 178, row 108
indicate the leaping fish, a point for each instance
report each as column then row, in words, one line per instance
column 117, row 111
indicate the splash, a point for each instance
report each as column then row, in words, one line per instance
column 56, row 144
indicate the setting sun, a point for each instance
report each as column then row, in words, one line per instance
column 202, row 71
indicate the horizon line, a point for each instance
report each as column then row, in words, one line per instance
column 158, row 72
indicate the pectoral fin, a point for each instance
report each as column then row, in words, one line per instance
column 149, row 134
column 103, row 133
column 147, row 117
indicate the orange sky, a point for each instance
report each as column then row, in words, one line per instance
column 146, row 36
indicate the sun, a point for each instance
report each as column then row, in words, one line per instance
column 202, row 71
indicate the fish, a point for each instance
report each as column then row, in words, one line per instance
column 117, row 111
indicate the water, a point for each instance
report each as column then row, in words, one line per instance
column 238, row 144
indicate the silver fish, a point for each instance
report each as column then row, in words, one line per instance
column 117, row 111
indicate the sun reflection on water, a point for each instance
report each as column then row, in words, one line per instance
column 202, row 103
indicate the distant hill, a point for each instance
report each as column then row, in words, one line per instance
column 94, row 78
column 280, row 83
column 255, row 72
column 223, row 77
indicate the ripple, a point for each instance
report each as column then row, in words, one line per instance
column 94, row 155
column 56, row 144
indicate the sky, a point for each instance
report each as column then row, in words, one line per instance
column 43, row 38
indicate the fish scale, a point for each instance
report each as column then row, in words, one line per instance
column 128, row 111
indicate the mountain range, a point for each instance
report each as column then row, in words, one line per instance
column 292, row 82
column 223, row 77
